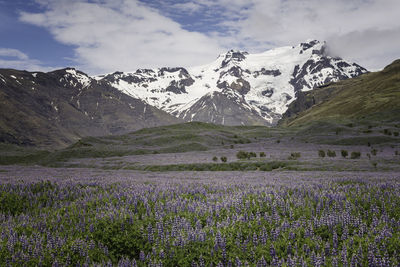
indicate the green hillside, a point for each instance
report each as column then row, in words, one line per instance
column 372, row 97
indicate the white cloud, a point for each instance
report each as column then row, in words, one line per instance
column 187, row 7
column 9, row 52
column 15, row 59
column 114, row 35
column 122, row 35
column 362, row 30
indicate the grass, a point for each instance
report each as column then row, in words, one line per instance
column 231, row 166
column 364, row 140
column 31, row 158
column 372, row 97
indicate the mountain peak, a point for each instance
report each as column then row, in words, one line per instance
column 234, row 56
column 263, row 84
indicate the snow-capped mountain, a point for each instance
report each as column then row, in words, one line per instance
column 238, row 87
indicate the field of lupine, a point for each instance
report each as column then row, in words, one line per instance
column 127, row 218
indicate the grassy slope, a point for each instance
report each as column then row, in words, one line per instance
column 178, row 138
column 370, row 97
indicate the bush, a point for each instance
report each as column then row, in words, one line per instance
column 294, row 155
column 232, row 146
column 215, row 158
column 278, row 141
column 224, row 159
column 344, row 153
column 252, row 155
column 387, row 132
column 262, row 155
column 242, row 155
column 355, row 155
column 396, row 133
column 396, row 152
column 331, row 153
column 374, row 151
column 321, row 153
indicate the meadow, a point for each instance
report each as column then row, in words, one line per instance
column 206, row 195
column 92, row 217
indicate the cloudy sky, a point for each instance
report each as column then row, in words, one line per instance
column 100, row 36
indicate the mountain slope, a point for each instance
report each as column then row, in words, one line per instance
column 262, row 84
column 59, row 107
column 370, row 97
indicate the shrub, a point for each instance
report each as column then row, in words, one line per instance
column 396, row 133
column 224, row 159
column 262, row 154
column 355, row 155
column 242, row 155
column 344, row 153
column 374, row 164
column 331, row 153
column 215, row 158
column 387, row 132
column 278, row 141
column 252, row 155
column 374, row 151
column 321, row 153
column 232, row 146
column 294, row 155
column 396, row 152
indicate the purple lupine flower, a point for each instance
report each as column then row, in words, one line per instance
column 142, row 256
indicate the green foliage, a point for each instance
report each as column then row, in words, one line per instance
column 215, row 158
column 252, row 154
column 242, row 155
column 230, row 166
column 331, row 153
column 387, row 132
column 321, row 153
column 355, row 155
column 14, row 203
column 262, row 155
column 224, row 159
column 374, row 151
column 344, row 153
column 121, row 243
column 245, row 155
column 396, row 133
